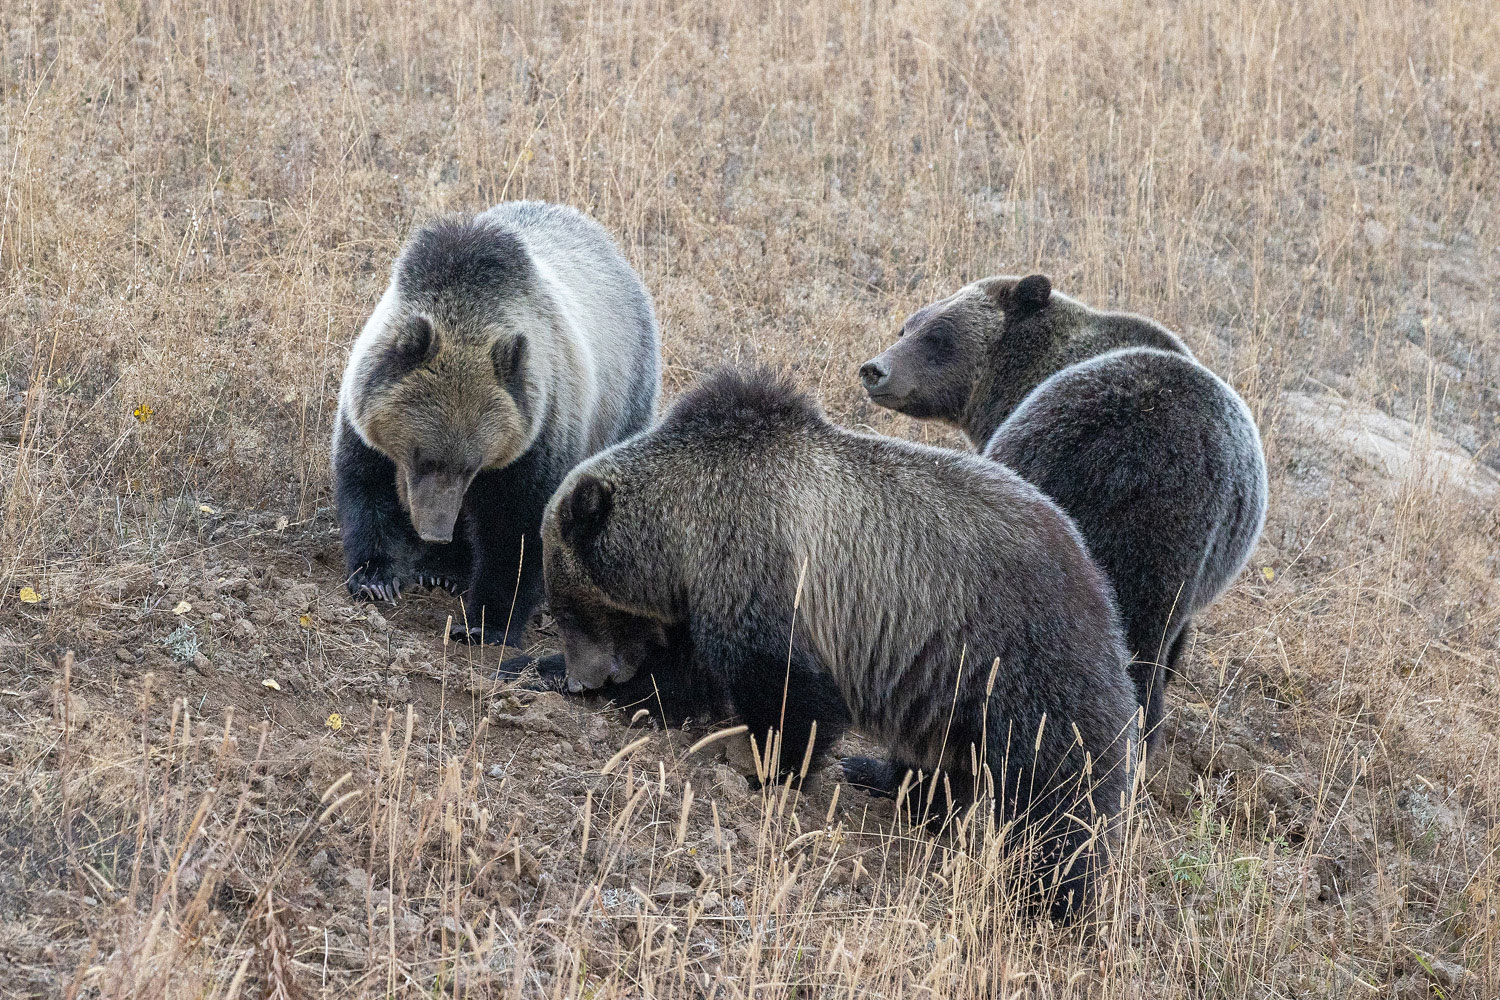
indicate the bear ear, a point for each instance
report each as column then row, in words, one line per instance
column 1032, row 293
column 417, row 341
column 508, row 357
column 582, row 513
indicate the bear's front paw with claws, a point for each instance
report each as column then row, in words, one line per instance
column 475, row 635
column 436, row 581
column 551, row 671
column 376, row 583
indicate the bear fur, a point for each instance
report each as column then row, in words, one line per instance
column 508, row 347
column 1156, row 458
column 823, row 577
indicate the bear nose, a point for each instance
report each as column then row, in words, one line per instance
column 874, row 374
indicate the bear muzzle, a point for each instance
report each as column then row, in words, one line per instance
column 435, row 501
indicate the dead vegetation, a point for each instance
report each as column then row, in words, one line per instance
column 219, row 777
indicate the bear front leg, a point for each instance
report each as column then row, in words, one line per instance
column 771, row 692
column 380, row 546
column 446, row 565
column 877, row 776
column 551, row 671
column 927, row 800
column 503, row 511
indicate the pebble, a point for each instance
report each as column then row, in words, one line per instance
column 124, row 655
column 71, row 706
column 202, row 664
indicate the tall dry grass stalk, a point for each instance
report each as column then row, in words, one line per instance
column 198, row 205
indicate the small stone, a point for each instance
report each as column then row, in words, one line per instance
column 301, row 596
column 70, row 708
column 729, row 783
column 236, row 587
column 673, row 891
column 124, row 655
column 377, row 620
column 202, row 664
column 358, row 878
column 245, row 628
column 1449, row 975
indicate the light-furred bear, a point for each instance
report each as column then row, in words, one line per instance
column 1157, row 459
column 508, row 347
column 934, row 599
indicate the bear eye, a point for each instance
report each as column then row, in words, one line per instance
column 939, row 340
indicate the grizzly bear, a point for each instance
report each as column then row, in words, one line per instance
column 820, row 578
column 508, row 347
column 1157, row 459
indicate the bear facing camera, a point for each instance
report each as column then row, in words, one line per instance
column 508, row 347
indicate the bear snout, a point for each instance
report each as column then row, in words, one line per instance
column 435, row 502
column 874, row 374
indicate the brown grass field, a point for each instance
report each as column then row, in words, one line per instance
column 220, row 777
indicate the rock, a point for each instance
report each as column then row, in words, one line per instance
column 202, row 664
column 377, row 620
column 357, row 878
column 672, row 891
column 124, row 655
column 245, row 629
column 1449, row 975
column 70, row 708
column 729, row 783
column 1399, row 450
column 301, row 596
column 238, row 587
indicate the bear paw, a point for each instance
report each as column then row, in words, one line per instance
column 880, row 778
column 435, row 581
column 474, row 635
column 551, row 671
column 375, row 583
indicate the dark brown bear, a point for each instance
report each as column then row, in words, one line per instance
column 1156, row 458
column 817, row 577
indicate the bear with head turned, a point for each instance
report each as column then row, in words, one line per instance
column 508, row 347
column 1156, row 458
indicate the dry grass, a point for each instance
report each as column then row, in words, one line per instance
column 200, row 201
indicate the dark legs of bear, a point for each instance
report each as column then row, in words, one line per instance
column 666, row 684
column 788, row 700
column 932, row 800
column 503, row 510
column 382, row 554
column 1152, row 671
column 1064, row 857
column 777, row 692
